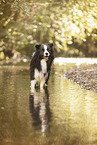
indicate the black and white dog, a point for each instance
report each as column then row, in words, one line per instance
column 40, row 65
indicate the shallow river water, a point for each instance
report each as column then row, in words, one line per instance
column 63, row 114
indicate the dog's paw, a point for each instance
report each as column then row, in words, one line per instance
column 32, row 84
column 46, row 85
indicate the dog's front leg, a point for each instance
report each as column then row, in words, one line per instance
column 32, row 85
column 47, row 78
column 42, row 84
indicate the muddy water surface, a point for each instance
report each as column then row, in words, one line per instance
column 63, row 114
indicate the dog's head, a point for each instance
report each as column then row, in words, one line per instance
column 45, row 50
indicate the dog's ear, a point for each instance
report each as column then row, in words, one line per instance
column 37, row 46
column 51, row 44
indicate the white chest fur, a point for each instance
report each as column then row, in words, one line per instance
column 44, row 66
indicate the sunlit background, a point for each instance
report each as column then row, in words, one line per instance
column 71, row 25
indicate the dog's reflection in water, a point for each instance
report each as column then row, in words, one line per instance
column 40, row 109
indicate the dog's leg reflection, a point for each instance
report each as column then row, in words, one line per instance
column 40, row 109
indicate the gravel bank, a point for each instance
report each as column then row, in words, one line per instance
column 85, row 76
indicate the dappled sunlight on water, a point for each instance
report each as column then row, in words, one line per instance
column 64, row 114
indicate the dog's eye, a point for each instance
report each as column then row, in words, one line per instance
column 42, row 49
column 47, row 49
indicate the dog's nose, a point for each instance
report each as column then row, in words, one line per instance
column 46, row 54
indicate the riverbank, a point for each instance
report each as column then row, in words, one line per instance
column 85, row 76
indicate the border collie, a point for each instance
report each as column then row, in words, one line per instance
column 40, row 65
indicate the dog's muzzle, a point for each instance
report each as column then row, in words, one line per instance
column 46, row 56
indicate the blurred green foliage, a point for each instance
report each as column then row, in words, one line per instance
column 71, row 25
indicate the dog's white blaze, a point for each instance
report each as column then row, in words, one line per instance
column 45, row 50
column 45, row 47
